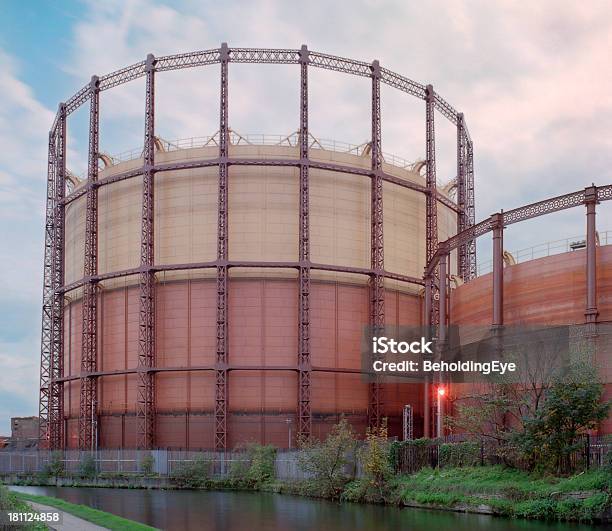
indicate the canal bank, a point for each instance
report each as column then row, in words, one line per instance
column 235, row 511
column 494, row 490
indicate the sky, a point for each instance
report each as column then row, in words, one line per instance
column 533, row 79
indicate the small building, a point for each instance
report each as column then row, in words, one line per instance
column 24, row 432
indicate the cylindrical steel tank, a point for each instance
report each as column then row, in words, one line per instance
column 263, row 301
column 548, row 291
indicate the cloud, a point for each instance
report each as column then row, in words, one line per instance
column 532, row 79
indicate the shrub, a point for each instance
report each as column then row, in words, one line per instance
column 147, row 465
column 87, row 466
column 262, row 468
column 375, row 459
column 191, row 474
column 325, row 461
column 459, row 454
column 55, row 465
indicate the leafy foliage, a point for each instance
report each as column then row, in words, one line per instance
column 571, row 407
column 55, row 466
column 191, row 474
column 460, row 454
column 87, row 466
column 374, row 457
column 325, row 461
column 147, row 465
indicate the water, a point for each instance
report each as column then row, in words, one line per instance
column 239, row 511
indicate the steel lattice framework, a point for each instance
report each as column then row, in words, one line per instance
column 496, row 223
column 145, row 406
column 52, row 376
column 89, row 349
column 305, row 418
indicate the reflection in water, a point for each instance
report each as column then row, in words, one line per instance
column 237, row 511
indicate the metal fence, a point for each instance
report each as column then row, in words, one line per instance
column 592, row 452
column 541, row 250
column 126, row 461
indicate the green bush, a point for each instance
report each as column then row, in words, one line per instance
column 255, row 467
column 459, row 454
column 262, row 468
column 147, row 465
column 324, row 461
column 191, row 474
column 55, row 465
column 87, row 466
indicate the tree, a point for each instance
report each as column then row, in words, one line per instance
column 375, row 460
column 572, row 406
column 325, row 461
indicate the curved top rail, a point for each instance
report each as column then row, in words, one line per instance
column 260, row 56
column 516, row 215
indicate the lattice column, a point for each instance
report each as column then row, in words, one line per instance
column 89, row 353
column 56, row 399
column 431, row 204
column 51, row 351
column 304, row 411
column 145, row 402
column 377, row 279
column 470, row 205
column 221, row 374
column 462, row 222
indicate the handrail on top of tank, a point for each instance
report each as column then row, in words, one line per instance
column 260, row 56
column 516, row 215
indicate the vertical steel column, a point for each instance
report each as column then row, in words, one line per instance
column 221, row 384
column 304, row 411
column 426, row 381
column 497, row 221
column 444, row 256
column 377, row 279
column 470, row 205
column 431, row 204
column 462, row 223
column 89, row 344
column 442, row 333
column 52, row 332
column 145, row 400
column 46, row 342
column 590, row 200
column 56, row 400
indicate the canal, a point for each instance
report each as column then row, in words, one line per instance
column 239, row 511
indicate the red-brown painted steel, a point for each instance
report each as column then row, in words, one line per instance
column 89, row 342
column 52, row 376
column 304, row 409
column 377, row 260
column 146, row 331
column 431, row 205
column 221, row 395
column 590, row 199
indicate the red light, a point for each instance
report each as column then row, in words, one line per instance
column 441, row 391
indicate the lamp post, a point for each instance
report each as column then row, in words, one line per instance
column 441, row 394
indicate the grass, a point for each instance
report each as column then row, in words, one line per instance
column 10, row 502
column 510, row 492
column 101, row 518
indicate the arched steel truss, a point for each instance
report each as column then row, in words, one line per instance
column 589, row 197
column 51, row 374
